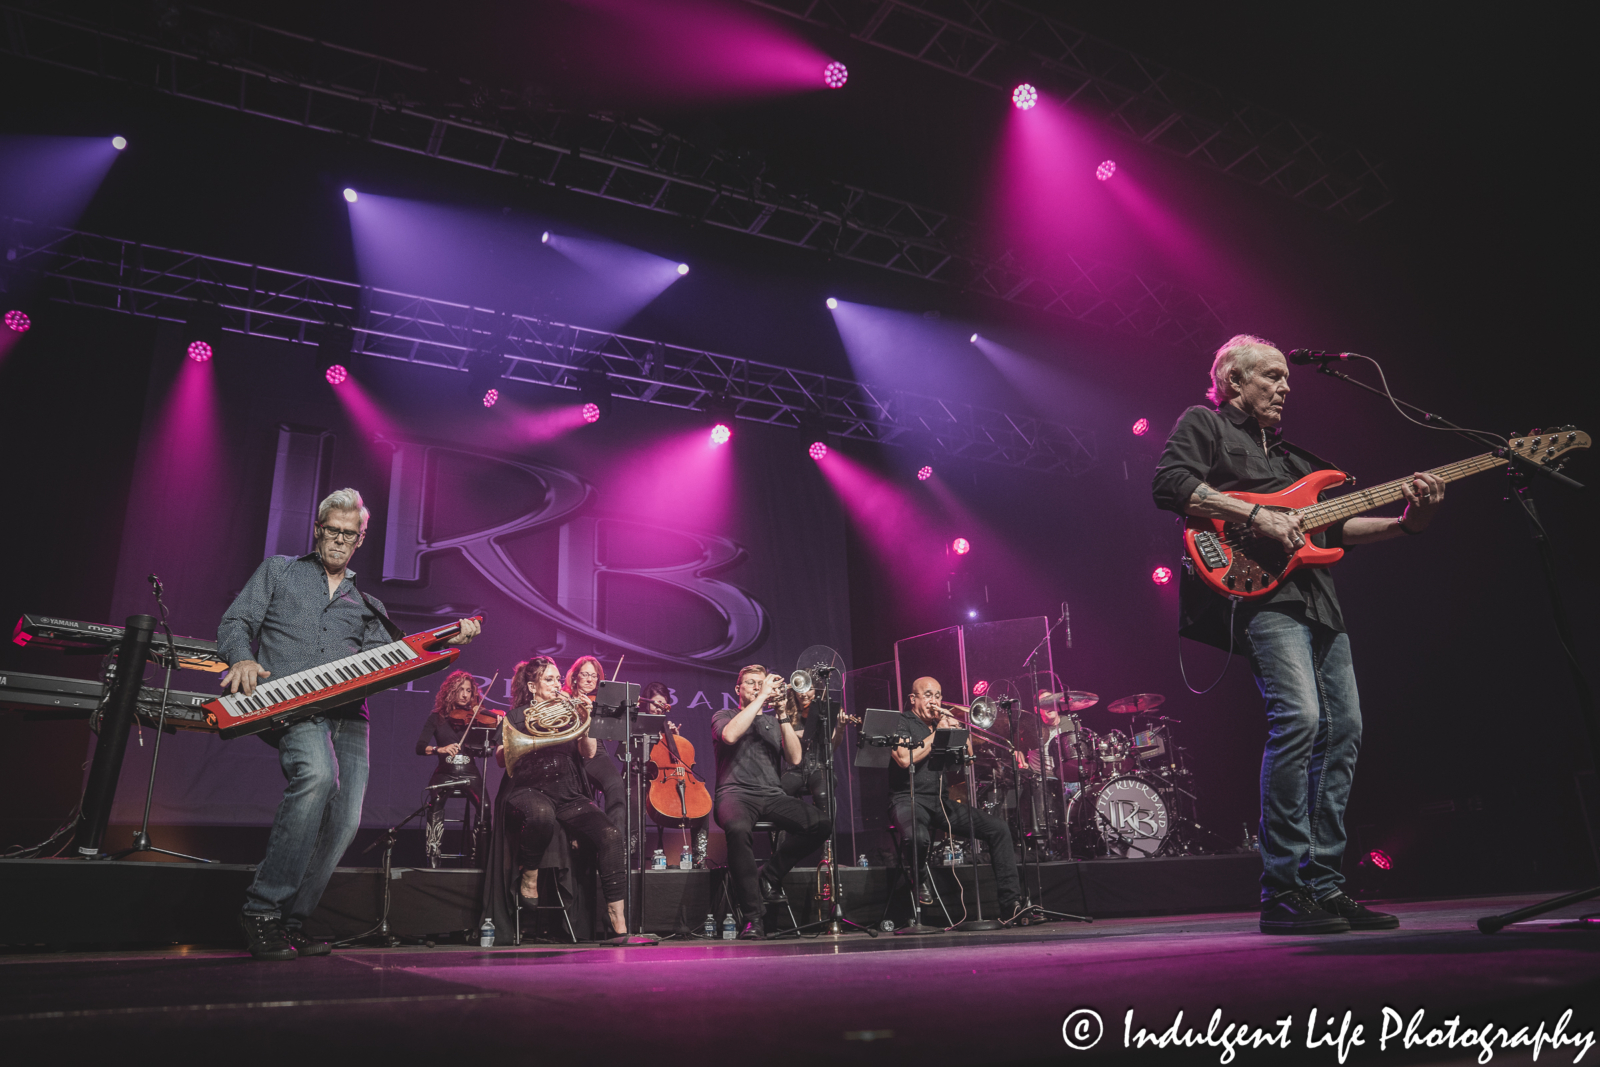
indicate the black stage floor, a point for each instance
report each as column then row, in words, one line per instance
column 956, row 999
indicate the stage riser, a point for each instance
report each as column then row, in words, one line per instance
column 73, row 902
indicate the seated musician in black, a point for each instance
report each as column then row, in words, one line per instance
column 443, row 733
column 583, row 680
column 930, row 810
column 809, row 774
column 751, row 747
column 548, row 792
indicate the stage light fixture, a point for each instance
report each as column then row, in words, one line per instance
column 17, row 321
column 683, row 268
column 1161, row 575
column 924, row 473
column 199, row 351
column 1141, row 427
column 1380, row 859
column 979, row 688
column 818, row 451
column 835, row 74
column 814, row 434
column 336, row 374
column 1105, row 170
column 832, row 304
column 491, row 398
column 202, row 330
column 972, row 613
column 594, row 392
column 961, row 546
column 333, row 352
column 590, row 412
column 544, row 238
column 1024, row 96
column 119, row 142
column 720, row 434
column 720, row 410
column 350, row 195
column 973, row 339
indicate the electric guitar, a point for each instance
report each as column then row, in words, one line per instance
column 1235, row 562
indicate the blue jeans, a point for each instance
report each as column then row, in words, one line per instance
column 1305, row 676
column 325, row 762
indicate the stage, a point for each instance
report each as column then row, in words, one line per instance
column 958, row 999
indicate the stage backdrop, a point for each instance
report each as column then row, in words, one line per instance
column 630, row 537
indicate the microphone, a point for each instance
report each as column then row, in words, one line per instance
column 1302, row 357
column 1067, row 619
column 155, row 584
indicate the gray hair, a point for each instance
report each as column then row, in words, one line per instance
column 1240, row 353
column 342, row 500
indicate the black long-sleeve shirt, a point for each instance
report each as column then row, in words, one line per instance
column 1229, row 451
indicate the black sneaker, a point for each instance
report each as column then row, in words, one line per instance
column 265, row 937
column 1294, row 912
column 753, row 931
column 1358, row 915
column 306, row 946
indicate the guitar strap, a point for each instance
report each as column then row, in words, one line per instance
column 394, row 632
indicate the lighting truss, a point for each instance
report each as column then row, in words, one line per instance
column 998, row 42
column 278, row 75
column 91, row 270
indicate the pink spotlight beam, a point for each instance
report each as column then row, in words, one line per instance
column 1024, row 97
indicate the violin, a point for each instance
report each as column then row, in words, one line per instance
column 461, row 718
column 677, row 794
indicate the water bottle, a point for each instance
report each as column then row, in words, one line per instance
column 686, row 860
column 486, row 933
column 658, row 860
column 728, row 931
column 861, row 860
column 711, row 927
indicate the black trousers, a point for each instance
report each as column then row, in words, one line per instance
column 798, row 781
column 963, row 822
column 807, row 828
column 533, row 820
column 604, row 774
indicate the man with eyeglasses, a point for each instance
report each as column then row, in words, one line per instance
column 303, row 612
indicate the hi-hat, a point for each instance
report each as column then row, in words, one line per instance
column 1137, row 703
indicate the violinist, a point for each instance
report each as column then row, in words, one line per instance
column 546, row 793
column 458, row 703
column 810, row 774
column 583, row 679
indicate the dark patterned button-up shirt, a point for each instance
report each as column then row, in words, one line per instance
column 285, row 609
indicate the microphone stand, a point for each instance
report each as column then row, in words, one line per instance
column 1521, row 488
column 141, row 836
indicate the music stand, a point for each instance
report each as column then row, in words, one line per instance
column 616, row 718
column 882, row 730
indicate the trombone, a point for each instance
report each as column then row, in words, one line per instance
column 981, row 715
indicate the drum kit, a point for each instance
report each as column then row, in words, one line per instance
column 1071, row 792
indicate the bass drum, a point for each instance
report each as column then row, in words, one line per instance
column 1125, row 816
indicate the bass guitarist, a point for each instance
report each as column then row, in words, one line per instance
column 1295, row 637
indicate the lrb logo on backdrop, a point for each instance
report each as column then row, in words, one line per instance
column 581, row 569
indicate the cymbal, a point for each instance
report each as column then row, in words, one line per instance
column 1136, row 703
column 1076, row 700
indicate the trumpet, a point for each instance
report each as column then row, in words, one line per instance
column 776, row 698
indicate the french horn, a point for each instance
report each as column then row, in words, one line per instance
column 546, row 722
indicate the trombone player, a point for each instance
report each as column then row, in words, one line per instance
column 928, row 809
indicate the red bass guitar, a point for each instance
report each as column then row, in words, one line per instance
column 1236, row 563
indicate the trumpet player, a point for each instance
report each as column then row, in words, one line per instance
column 752, row 748
column 928, row 809
column 547, row 791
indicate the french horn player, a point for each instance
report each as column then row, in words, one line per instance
column 544, row 741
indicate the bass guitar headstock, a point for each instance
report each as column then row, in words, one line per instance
column 1547, row 447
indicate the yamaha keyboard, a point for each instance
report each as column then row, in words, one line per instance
column 280, row 701
column 48, row 631
column 44, row 696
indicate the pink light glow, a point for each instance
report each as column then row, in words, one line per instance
column 720, row 434
column 366, row 413
column 1141, row 427
column 817, row 451
column 1380, row 859
column 536, row 426
column 835, row 74
column 677, row 474
column 591, row 412
column 1024, row 96
column 336, row 374
column 188, row 441
column 979, row 688
column 1161, row 575
column 1041, row 197
column 1105, row 170
column 199, row 351
column 925, row 473
column 491, row 398
column 961, row 546
column 18, row 322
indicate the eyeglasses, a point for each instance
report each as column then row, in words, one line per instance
column 333, row 533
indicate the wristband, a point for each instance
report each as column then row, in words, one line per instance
column 1251, row 521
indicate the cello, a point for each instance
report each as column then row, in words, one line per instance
column 677, row 794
